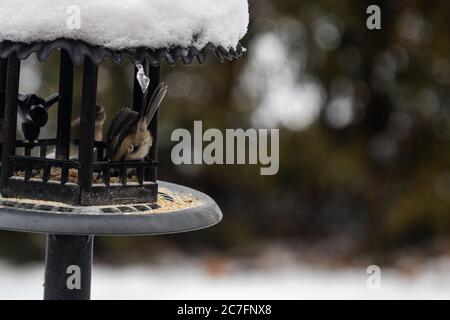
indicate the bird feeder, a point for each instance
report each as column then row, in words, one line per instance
column 74, row 198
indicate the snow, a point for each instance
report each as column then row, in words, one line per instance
column 191, row 280
column 118, row 24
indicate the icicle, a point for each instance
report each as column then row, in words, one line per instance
column 143, row 80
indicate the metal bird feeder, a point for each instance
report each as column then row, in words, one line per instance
column 74, row 210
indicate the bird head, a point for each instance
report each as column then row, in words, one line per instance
column 33, row 110
column 136, row 145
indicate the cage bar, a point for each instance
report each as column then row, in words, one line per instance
column 10, row 119
column 3, row 70
column 65, row 106
column 151, row 172
column 87, row 122
column 43, row 151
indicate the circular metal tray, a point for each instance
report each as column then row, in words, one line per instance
column 123, row 220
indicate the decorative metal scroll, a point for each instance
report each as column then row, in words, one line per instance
column 78, row 50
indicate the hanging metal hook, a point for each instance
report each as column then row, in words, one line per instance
column 142, row 78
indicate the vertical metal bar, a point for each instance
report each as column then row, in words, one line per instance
column 10, row 121
column 28, row 171
column 106, row 176
column 140, row 175
column 28, row 165
column 3, row 71
column 43, row 151
column 64, row 175
column 65, row 106
column 46, row 173
column 155, row 76
column 87, row 122
column 100, row 153
column 68, row 264
column 28, row 146
column 123, row 174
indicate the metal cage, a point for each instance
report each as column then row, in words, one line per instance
column 17, row 178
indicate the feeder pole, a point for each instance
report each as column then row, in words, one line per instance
column 68, row 264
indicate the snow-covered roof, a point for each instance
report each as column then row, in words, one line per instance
column 121, row 24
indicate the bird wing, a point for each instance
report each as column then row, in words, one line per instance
column 152, row 102
column 121, row 125
column 54, row 98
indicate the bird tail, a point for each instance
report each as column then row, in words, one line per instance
column 152, row 102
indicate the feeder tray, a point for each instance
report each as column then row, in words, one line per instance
column 178, row 209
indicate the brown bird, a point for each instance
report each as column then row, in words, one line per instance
column 128, row 136
column 100, row 118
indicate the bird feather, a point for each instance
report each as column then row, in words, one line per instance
column 152, row 101
column 124, row 123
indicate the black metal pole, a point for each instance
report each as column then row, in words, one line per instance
column 68, row 264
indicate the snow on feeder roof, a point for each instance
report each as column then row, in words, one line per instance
column 151, row 29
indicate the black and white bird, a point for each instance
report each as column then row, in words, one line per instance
column 33, row 110
column 128, row 136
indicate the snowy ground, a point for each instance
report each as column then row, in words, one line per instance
column 192, row 280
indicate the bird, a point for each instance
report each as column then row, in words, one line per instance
column 100, row 118
column 128, row 137
column 33, row 110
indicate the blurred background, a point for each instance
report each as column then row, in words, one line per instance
column 364, row 176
